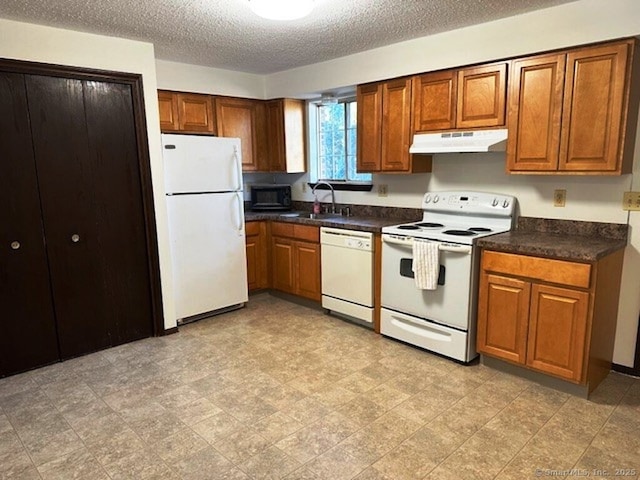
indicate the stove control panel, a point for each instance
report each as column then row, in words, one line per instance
column 469, row 202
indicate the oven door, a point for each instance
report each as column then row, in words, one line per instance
column 449, row 304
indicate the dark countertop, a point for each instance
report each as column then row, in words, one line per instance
column 364, row 224
column 561, row 239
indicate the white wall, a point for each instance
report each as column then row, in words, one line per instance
column 36, row 43
column 214, row 81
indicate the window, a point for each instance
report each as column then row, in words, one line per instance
column 335, row 143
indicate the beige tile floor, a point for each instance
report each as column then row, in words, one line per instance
column 277, row 390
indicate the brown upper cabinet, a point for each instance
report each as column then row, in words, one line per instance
column 272, row 132
column 369, row 126
column 186, row 113
column 286, row 135
column 245, row 119
column 384, row 129
column 573, row 112
column 473, row 97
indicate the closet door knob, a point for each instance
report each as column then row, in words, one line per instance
column 75, row 238
column 15, row 245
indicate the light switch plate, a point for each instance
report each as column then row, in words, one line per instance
column 559, row 198
column 631, row 201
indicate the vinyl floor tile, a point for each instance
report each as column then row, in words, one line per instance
column 279, row 390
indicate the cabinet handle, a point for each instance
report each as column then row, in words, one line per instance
column 15, row 245
column 75, row 238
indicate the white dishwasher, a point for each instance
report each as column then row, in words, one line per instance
column 347, row 272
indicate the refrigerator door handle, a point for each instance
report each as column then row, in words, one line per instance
column 240, row 209
column 238, row 165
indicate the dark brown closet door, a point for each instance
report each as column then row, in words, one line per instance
column 86, row 159
column 27, row 325
column 119, row 211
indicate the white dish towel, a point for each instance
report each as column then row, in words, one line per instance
column 426, row 264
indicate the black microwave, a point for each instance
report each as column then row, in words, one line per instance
column 270, row 197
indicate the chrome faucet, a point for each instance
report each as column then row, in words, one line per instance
column 333, row 193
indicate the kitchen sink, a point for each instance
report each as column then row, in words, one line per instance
column 317, row 216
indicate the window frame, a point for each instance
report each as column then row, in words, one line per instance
column 313, row 137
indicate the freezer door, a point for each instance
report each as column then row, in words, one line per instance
column 201, row 164
column 208, row 252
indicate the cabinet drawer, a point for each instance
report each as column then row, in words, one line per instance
column 279, row 229
column 544, row 269
column 307, row 232
column 292, row 230
column 252, row 228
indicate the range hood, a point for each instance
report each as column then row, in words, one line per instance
column 460, row 142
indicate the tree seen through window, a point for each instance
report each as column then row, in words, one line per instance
column 337, row 143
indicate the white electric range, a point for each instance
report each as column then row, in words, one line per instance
column 441, row 320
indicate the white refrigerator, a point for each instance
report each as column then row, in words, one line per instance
column 205, row 205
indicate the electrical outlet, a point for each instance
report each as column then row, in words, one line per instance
column 304, row 187
column 559, row 198
column 631, row 201
column 382, row 190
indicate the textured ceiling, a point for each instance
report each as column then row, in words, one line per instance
column 226, row 34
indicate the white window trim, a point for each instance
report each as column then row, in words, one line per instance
column 312, row 143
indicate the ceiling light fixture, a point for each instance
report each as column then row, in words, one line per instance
column 282, row 9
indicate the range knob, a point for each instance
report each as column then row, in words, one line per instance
column 436, row 199
column 494, row 203
column 427, row 199
column 360, row 244
column 505, row 204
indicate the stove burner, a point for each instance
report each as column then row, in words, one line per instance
column 429, row 225
column 461, row 233
column 408, row 227
column 480, row 229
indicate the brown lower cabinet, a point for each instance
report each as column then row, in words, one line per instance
column 295, row 254
column 74, row 258
column 554, row 316
column 257, row 242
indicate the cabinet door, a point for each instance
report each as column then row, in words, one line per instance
column 434, row 101
column 396, row 125
column 168, row 109
column 195, row 113
column 275, row 136
column 369, row 128
column 295, row 143
column 593, row 108
column 257, row 255
column 481, row 98
column 282, row 258
column 244, row 119
column 535, row 109
column 27, row 326
column 307, row 261
column 557, row 329
column 503, row 311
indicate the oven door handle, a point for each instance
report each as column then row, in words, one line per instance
column 442, row 246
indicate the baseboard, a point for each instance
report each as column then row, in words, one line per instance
column 169, row 331
column 634, row 372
